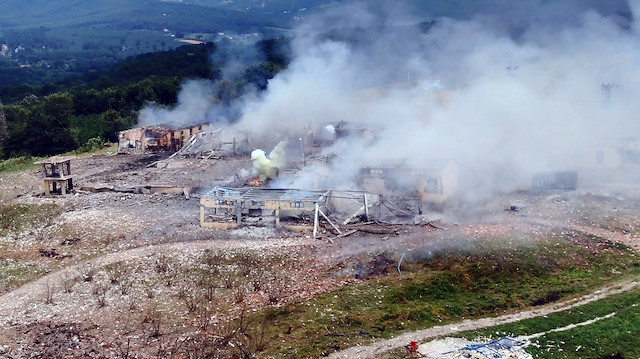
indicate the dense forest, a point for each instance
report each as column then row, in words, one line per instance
column 82, row 112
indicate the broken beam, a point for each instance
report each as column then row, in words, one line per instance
column 328, row 220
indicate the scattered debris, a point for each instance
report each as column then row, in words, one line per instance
column 507, row 348
column 224, row 207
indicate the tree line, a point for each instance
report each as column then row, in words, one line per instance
column 80, row 112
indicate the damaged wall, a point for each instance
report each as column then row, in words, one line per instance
column 433, row 184
column 156, row 138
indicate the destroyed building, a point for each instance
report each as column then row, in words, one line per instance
column 156, row 138
column 434, row 182
column 325, row 135
column 225, row 208
column 220, row 141
column 57, row 175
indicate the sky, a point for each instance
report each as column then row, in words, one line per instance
column 505, row 93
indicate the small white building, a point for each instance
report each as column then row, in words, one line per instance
column 602, row 158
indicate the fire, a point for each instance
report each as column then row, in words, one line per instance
column 255, row 181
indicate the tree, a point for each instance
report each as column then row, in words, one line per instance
column 18, row 128
column 277, row 51
column 226, row 91
column 49, row 125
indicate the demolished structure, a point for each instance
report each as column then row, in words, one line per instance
column 231, row 207
column 327, row 134
column 57, row 175
column 220, row 141
column 156, row 138
column 385, row 193
column 433, row 184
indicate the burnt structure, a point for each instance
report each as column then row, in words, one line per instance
column 57, row 175
column 225, row 208
column 156, row 138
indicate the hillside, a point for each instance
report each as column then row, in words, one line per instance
column 457, row 9
column 108, row 273
column 127, row 14
column 43, row 42
column 247, row 15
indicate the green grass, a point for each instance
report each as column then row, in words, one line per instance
column 617, row 335
column 466, row 280
column 18, row 164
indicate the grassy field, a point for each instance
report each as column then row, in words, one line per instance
column 486, row 277
column 617, row 335
column 18, row 164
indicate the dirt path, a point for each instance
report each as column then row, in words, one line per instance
column 376, row 349
column 20, row 298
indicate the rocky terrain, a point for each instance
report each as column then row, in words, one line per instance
column 125, row 274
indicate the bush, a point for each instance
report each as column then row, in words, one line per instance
column 93, row 144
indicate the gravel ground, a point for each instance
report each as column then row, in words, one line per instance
column 133, row 230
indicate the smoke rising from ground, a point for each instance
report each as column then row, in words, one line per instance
column 502, row 103
column 502, row 108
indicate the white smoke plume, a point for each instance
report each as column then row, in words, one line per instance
column 267, row 168
column 503, row 108
column 194, row 104
column 504, row 100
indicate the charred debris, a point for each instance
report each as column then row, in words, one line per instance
column 393, row 193
column 388, row 193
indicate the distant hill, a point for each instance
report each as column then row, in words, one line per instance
column 457, row 9
column 44, row 41
column 254, row 15
column 131, row 14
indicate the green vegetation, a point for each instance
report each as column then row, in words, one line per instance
column 465, row 279
column 51, row 56
column 66, row 116
column 187, row 61
column 47, row 43
column 18, row 267
column 18, row 164
column 603, row 338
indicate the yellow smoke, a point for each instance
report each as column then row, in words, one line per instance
column 267, row 167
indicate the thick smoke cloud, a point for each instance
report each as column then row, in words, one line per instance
column 194, row 106
column 502, row 103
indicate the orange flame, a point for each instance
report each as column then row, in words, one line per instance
column 255, row 182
